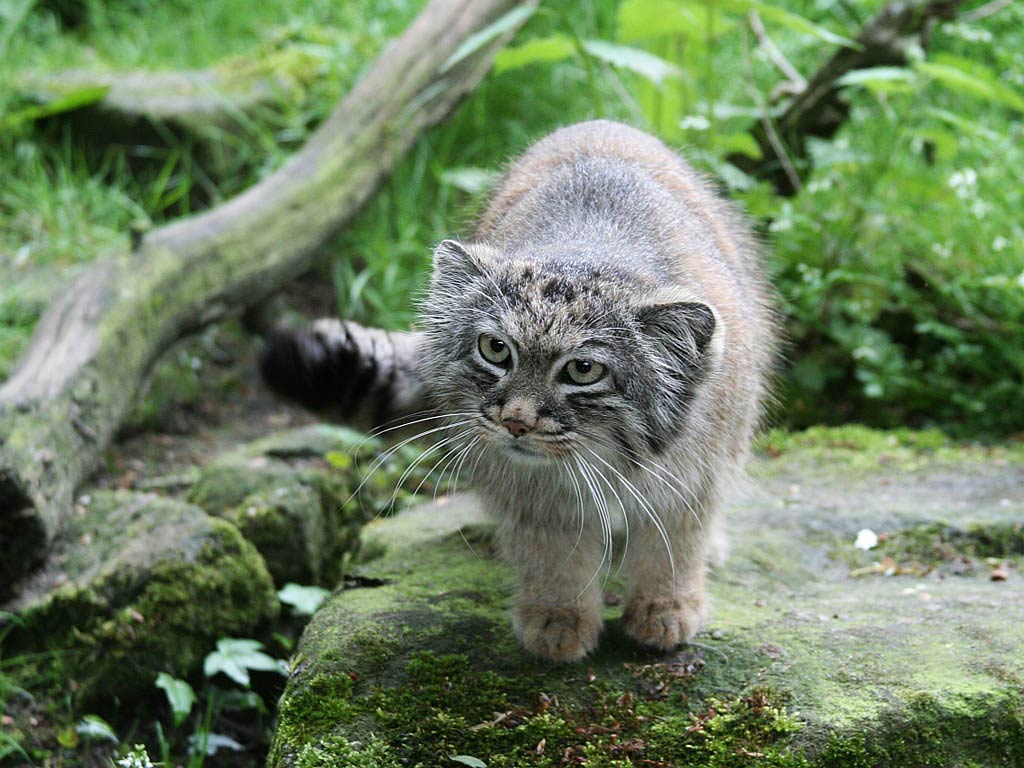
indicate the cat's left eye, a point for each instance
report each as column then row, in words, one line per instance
column 583, row 372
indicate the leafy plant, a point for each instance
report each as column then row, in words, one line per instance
column 233, row 658
column 303, row 600
column 180, row 696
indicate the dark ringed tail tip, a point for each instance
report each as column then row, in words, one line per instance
column 295, row 365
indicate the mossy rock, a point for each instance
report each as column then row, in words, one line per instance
column 291, row 515
column 292, row 494
column 288, row 526
column 802, row 664
column 140, row 585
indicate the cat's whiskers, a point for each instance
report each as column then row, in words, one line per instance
column 646, row 506
column 579, row 506
column 666, row 481
column 633, row 458
column 416, row 462
column 384, row 428
column 604, row 518
column 385, row 455
column 625, row 519
column 441, row 466
column 457, row 471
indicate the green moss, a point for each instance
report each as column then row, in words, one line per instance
column 854, row 437
column 447, row 707
column 860, row 447
column 300, row 518
column 801, row 666
column 949, row 549
column 288, row 527
column 143, row 612
column 339, row 751
column 926, row 734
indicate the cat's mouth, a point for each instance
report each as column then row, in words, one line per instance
column 533, row 447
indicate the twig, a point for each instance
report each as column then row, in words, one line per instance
column 777, row 145
column 986, row 10
column 797, row 82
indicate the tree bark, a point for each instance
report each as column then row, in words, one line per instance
column 819, row 109
column 94, row 346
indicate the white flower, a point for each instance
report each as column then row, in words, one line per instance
column 964, row 183
column 694, row 122
column 866, row 539
column 137, row 758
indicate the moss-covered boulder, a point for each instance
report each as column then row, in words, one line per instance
column 813, row 655
column 139, row 585
column 288, row 500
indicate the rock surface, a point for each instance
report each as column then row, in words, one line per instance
column 139, row 585
column 817, row 653
column 284, row 498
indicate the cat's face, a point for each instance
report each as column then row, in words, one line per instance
column 541, row 361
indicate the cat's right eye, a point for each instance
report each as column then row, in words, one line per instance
column 494, row 350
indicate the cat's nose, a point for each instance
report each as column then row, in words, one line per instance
column 516, row 428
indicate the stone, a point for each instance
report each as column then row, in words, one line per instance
column 297, row 508
column 139, row 585
column 813, row 655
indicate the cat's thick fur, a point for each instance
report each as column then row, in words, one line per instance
column 600, row 251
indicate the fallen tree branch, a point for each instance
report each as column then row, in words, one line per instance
column 820, row 109
column 94, row 346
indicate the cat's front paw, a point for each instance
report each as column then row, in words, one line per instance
column 558, row 634
column 664, row 622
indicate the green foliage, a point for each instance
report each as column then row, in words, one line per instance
column 445, row 707
column 900, row 263
column 180, row 696
column 10, row 743
column 94, row 727
column 237, row 657
column 303, row 600
column 234, row 658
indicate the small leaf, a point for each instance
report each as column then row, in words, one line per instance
column 475, row 42
column 303, row 600
column 741, row 143
column 792, row 21
column 540, row 50
column 968, row 126
column 470, row 180
column 646, row 19
column 235, row 657
column 643, row 63
column 68, row 738
column 972, row 79
column 82, row 97
column 95, row 727
column 877, row 75
column 473, row 762
column 180, row 696
column 338, row 459
column 212, row 743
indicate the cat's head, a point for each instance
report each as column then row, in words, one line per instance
column 542, row 358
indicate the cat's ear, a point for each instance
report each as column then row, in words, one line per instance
column 684, row 329
column 454, row 263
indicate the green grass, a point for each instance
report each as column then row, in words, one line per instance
column 900, row 264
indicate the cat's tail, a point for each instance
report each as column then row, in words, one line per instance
column 343, row 371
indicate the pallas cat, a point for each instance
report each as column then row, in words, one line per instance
column 596, row 355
